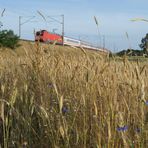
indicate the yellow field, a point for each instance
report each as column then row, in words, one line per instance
column 53, row 96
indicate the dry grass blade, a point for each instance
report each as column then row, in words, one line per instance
column 62, row 131
column 44, row 112
column 61, row 104
column 56, row 90
column 143, row 69
column 2, row 14
column 96, row 109
column 127, row 36
column 139, row 19
column 83, row 50
column 70, row 98
column 97, row 24
column 73, row 47
column 41, row 15
column 96, row 21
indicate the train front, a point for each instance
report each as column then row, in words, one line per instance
column 39, row 36
column 48, row 37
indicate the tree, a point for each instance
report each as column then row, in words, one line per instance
column 144, row 44
column 8, row 39
column 130, row 52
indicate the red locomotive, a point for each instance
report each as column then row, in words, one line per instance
column 44, row 36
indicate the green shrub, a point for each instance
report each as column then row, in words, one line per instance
column 8, row 39
column 130, row 52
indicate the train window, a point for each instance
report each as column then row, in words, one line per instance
column 37, row 33
column 72, row 41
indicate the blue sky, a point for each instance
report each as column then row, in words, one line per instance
column 113, row 18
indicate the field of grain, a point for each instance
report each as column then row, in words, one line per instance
column 62, row 97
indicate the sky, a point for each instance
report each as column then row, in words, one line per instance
column 114, row 20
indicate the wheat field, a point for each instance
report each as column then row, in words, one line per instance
column 63, row 97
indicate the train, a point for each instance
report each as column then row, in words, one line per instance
column 50, row 37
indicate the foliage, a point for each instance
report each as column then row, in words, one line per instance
column 130, row 52
column 144, row 44
column 8, row 39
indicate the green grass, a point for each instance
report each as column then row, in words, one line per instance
column 54, row 96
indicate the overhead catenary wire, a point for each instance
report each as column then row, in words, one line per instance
column 54, row 19
column 22, row 23
column 28, row 20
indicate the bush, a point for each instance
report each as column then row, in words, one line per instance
column 130, row 52
column 8, row 39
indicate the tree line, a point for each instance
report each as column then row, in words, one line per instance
column 132, row 52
